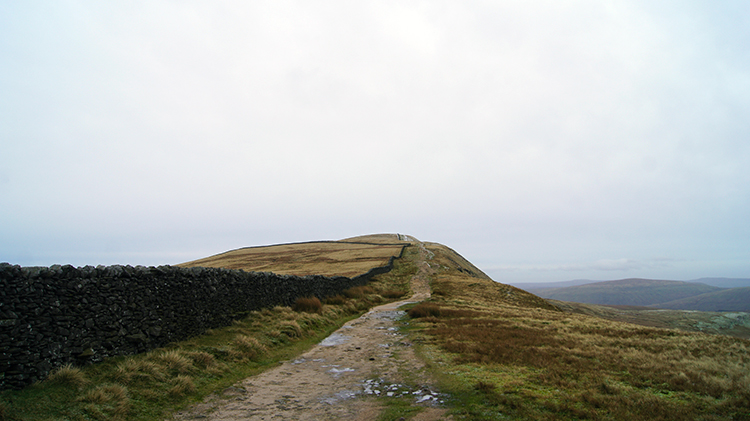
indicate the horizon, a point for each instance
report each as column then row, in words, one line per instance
column 543, row 141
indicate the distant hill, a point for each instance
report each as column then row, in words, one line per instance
column 630, row 292
column 724, row 282
column 532, row 286
column 734, row 299
column 715, row 282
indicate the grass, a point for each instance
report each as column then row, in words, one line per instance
column 398, row 409
column 308, row 305
column 152, row 385
column 502, row 354
column 331, row 258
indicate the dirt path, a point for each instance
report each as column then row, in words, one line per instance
column 347, row 376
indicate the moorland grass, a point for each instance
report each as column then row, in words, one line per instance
column 152, row 385
column 308, row 305
column 504, row 355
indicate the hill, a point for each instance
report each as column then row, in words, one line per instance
column 497, row 352
column 349, row 257
column 631, row 292
column 734, row 299
column 735, row 324
column 724, row 282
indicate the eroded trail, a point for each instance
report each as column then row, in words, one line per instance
column 346, row 376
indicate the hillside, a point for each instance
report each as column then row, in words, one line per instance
column 734, row 299
column 475, row 348
column 735, row 324
column 349, row 257
column 629, row 292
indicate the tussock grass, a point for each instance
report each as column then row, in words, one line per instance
column 175, row 360
column 503, row 354
column 106, row 402
column 248, row 347
column 424, row 310
column 68, row 375
column 358, row 292
column 181, row 385
column 392, row 293
column 308, row 305
column 335, row 300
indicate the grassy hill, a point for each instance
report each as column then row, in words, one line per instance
column 721, row 323
column 503, row 354
column 630, row 292
column 499, row 352
column 348, row 257
column 734, row 299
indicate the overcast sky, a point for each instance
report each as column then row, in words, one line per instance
column 543, row 140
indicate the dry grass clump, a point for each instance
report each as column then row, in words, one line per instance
column 335, row 300
column 359, row 292
column 69, row 376
column 138, row 369
column 308, row 305
column 176, row 361
column 290, row 328
column 424, row 310
column 202, row 359
column 106, row 402
column 181, row 385
column 248, row 347
column 392, row 293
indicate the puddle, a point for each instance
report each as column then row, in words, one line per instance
column 338, row 371
column 395, row 390
column 339, row 396
column 391, row 315
column 334, row 339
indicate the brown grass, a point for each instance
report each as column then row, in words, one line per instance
column 512, row 353
column 392, row 293
column 175, row 360
column 69, row 376
column 335, row 258
column 335, row 300
column 358, row 292
column 248, row 347
column 424, row 310
column 308, row 305
column 106, row 402
column 181, row 385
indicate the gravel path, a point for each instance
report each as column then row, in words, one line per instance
column 346, row 376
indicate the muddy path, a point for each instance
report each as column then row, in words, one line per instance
column 349, row 375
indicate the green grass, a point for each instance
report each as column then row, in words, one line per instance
column 398, row 408
column 152, row 385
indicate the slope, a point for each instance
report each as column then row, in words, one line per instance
column 330, row 258
column 734, row 299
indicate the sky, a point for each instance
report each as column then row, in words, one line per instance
column 542, row 140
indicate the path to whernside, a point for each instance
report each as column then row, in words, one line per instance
column 347, row 376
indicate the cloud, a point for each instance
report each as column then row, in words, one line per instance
column 522, row 133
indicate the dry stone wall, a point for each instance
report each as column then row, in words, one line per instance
column 51, row 316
